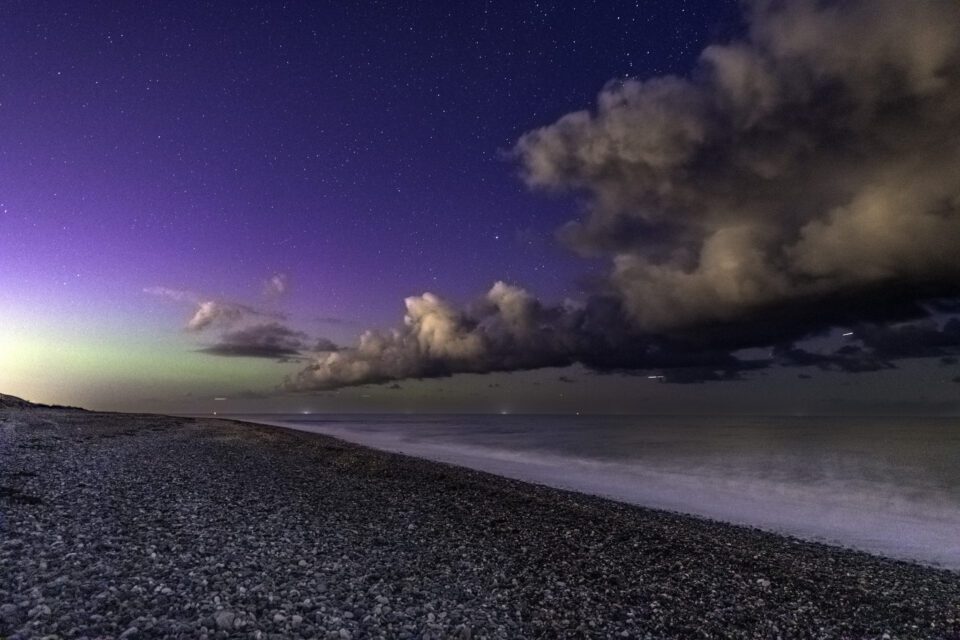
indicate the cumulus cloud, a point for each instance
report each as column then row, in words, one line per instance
column 812, row 158
column 803, row 177
column 218, row 313
column 209, row 313
column 270, row 340
column 277, row 285
column 506, row 330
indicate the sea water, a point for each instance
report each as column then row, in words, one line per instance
column 890, row 486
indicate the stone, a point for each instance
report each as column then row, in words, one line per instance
column 9, row 613
column 224, row 619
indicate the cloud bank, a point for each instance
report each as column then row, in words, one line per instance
column 804, row 177
column 271, row 340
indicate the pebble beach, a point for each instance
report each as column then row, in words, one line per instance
column 145, row 526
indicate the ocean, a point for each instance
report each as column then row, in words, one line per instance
column 889, row 486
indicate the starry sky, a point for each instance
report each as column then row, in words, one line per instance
column 312, row 164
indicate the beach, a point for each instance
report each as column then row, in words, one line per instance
column 146, row 526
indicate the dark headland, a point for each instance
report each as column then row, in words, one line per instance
column 142, row 526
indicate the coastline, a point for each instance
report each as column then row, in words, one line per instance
column 158, row 526
column 825, row 514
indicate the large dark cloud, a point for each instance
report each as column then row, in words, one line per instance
column 804, row 177
column 878, row 347
column 271, row 340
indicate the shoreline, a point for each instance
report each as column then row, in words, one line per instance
column 591, row 478
column 174, row 527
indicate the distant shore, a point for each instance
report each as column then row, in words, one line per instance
column 139, row 526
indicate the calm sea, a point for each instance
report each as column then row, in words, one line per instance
column 886, row 485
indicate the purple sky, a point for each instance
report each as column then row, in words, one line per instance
column 359, row 150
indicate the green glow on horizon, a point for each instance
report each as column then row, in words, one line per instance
column 101, row 371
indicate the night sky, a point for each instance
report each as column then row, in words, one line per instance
column 301, row 168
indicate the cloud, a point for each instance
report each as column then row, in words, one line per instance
column 813, row 158
column 271, row 340
column 878, row 347
column 324, row 345
column 801, row 178
column 277, row 285
column 507, row 330
column 209, row 313
column 213, row 313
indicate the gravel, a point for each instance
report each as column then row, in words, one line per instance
column 137, row 526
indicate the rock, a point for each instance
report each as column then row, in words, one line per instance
column 10, row 613
column 345, row 635
column 129, row 633
column 41, row 610
column 279, row 618
column 296, row 620
column 224, row 619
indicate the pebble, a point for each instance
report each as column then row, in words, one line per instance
column 224, row 619
column 153, row 526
